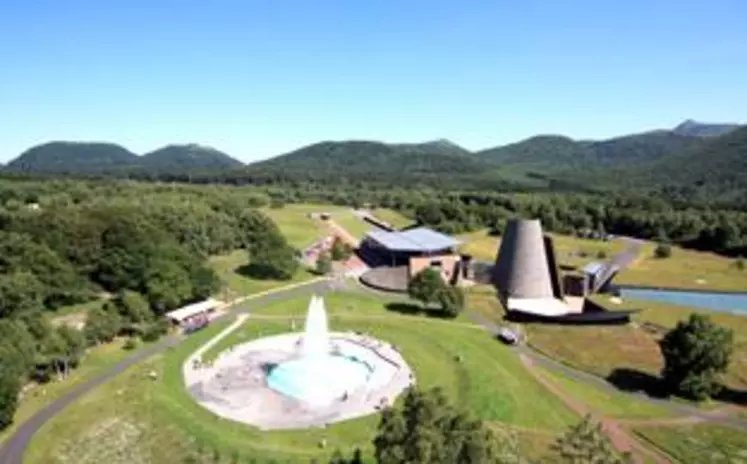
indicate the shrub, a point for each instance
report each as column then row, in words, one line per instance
column 739, row 263
column 155, row 330
column 451, row 301
column 663, row 251
column 130, row 344
column 323, row 264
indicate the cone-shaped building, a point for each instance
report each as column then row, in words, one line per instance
column 528, row 281
column 521, row 268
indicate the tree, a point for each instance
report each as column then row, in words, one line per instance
column 695, row 352
column 10, row 387
column 425, row 286
column 20, row 292
column 133, row 307
column 340, row 251
column 167, row 285
column 586, row 443
column 663, row 251
column 270, row 257
column 427, row 429
column 74, row 345
column 102, row 325
column 323, row 264
column 451, row 301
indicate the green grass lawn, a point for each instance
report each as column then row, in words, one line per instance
column 394, row 218
column 97, row 361
column 685, row 269
column 159, row 422
column 610, row 403
column 600, row 350
column 704, row 443
column 229, row 269
column 295, row 224
column 301, row 231
column 485, row 247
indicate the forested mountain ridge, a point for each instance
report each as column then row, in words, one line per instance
column 553, row 153
column 699, row 129
column 650, row 161
column 94, row 157
column 369, row 157
column 72, row 157
column 190, row 156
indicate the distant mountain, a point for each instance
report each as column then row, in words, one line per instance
column 188, row 157
column 93, row 158
column 440, row 146
column 538, row 153
column 365, row 157
column 717, row 162
column 548, row 154
column 73, row 157
column 698, row 129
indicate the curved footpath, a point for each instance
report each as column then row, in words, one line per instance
column 15, row 446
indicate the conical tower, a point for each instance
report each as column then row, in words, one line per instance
column 522, row 268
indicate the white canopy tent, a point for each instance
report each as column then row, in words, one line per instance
column 185, row 312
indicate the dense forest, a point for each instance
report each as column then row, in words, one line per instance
column 140, row 247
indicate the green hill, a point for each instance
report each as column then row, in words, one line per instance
column 188, row 157
column 73, row 157
column 548, row 154
column 364, row 157
column 699, row 129
column 716, row 167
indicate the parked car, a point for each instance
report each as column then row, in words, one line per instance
column 508, row 336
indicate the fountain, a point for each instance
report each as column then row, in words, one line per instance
column 296, row 380
column 315, row 341
column 315, row 375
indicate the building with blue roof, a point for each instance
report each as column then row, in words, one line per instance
column 396, row 256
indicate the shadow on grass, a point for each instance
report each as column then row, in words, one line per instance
column 261, row 272
column 416, row 310
column 635, row 381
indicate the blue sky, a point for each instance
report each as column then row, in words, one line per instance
column 258, row 78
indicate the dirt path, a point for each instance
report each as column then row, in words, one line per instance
column 344, row 235
column 621, row 438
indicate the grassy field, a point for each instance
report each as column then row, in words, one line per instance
column 394, row 218
column 301, row 231
column 159, row 422
column 703, row 443
column 294, row 221
column 610, row 403
column 571, row 251
column 97, row 361
column 685, row 269
column 600, row 350
column 235, row 282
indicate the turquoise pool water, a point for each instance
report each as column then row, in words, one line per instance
column 728, row 302
column 318, row 380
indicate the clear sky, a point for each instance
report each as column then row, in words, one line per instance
column 257, row 78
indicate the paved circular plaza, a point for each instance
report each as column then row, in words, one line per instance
column 235, row 386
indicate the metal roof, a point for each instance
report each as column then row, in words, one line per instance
column 185, row 312
column 418, row 239
column 593, row 268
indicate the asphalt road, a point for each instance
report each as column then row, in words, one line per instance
column 15, row 446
